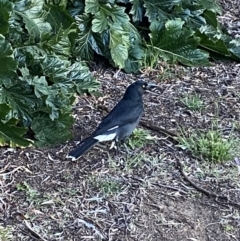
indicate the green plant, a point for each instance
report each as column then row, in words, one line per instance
column 229, row 228
column 209, row 145
column 140, row 138
column 193, row 102
column 32, row 194
column 237, row 125
column 133, row 162
column 132, row 33
column 167, row 71
column 6, row 233
column 107, row 186
column 38, row 76
column 151, row 58
column 110, row 187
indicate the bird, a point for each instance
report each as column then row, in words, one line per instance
column 119, row 124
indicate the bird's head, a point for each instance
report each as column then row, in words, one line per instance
column 136, row 89
column 142, row 86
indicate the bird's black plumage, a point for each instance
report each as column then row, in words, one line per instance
column 119, row 124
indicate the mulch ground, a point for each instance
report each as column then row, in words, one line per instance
column 156, row 192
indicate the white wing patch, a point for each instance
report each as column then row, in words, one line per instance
column 113, row 128
column 71, row 157
column 105, row 137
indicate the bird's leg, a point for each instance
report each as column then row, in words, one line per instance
column 115, row 144
column 123, row 143
column 118, row 146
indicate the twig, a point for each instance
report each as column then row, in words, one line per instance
column 90, row 226
column 161, row 185
column 33, row 232
column 204, row 191
column 167, row 133
column 3, row 170
column 14, row 170
column 29, row 234
column 170, row 187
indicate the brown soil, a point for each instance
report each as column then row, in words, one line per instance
column 142, row 196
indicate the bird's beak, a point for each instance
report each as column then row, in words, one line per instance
column 151, row 86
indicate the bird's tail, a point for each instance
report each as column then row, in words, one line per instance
column 85, row 145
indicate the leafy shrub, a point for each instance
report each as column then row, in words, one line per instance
column 38, row 79
column 129, row 32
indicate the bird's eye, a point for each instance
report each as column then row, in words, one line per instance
column 144, row 86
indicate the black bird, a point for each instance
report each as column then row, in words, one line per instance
column 119, row 124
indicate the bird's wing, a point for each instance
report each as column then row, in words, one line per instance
column 123, row 113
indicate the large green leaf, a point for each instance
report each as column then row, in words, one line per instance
column 192, row 17
column 119, row 55
column 119, row 44
column 84, row 45
column 215, row 41
column 234, row 47
column 82, row 78
column 39, row 84
column 175, row 42
column 106, row 18
column 136, row 54
column 58, row 17
column 32, row 27
column 7, row 63
column 120, row 17
column 134, row 60
column 34, row 19
column 58, row 102
column 49, row 132
column 60, row 43
column 99, row 23
column 66, row 80
column 211, row 18
column 211, row 5
column 76, row 8
column 211, row 39
column 159, row 10
column 5, row 10
column 10, row 133
column 91, row 6
column 137, row 10
column 85, row 40
column 22, row 101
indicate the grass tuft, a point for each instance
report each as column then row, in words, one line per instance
column 140, row 138
column 31, row 194
column 193, row 102
column 210, row 145
column 108, row 187
column 6, row 233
